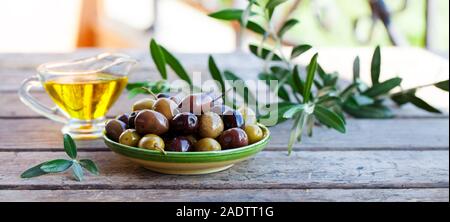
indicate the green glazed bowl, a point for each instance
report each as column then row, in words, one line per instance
column 190, row 163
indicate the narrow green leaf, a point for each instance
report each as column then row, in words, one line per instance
column 158, row 58
column 176, row 66
column 420, row 103
column 329, row 118
column 77, row 171
column 265, row 52
column 293, row 111
column 402, row 98
column 298, row 82
column 310, row 125
column 90, row 166
column 299, row 50
column 356, row 69
column 70, row 147
column 442, row 85
column 215, row 73
column 376, row 66
column 347, row 92
column 369, row 112
column 35, row 171
column 228, row 14
column 272, row 4
column 136, row 91
column 255, row 27
column 288, row 25
column 383, row 88
column 310, row 78
column 56, row 166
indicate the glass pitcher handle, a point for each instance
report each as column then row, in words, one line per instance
column 34, row 104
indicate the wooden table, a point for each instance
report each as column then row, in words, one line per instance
column 402, row 159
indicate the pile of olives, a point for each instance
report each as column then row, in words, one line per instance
column 197, row 123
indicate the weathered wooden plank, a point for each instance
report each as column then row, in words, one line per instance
column 14, row 108
column 397, row 134
column 268, row 170
column 233, row 195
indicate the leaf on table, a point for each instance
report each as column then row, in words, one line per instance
column 77, row 171
column 35, row 171
column 70, row 147
column 158, row 58
column 289, row 114
column 56, row 166
column 90, row 166
column 383, row 88
column 298, row 82
column 329, row 118
column 297, row 130
column 369, row 112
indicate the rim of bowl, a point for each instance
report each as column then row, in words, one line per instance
column 266, row 138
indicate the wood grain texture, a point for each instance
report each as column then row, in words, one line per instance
column 223, row 195
column 268, row 170
column 396, row 134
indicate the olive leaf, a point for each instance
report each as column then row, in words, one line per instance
column 383, row 88
column 299, row 50
column 442, row 85
column 247, row 95
column 227, row 14
column 70, row 147
column 310, row 78
column 329, row 118
column 255, row 27
column 264, row 53
column 216, row 73
column 176, row 66
column 376, row 66
column 90, row 166
column 56, row 166
column 356, row 69
column 62, row 165
column 288, row 25
column 158, row 58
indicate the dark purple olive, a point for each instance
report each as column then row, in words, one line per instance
column 196, row 103
column 233, row 138
column 131, row 119
column 114, row 128
column 233, row 119
column 151, row 122
column 124, row 118
column 184, row 124
column 180, row 144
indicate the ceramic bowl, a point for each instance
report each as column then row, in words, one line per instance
column 189, row 163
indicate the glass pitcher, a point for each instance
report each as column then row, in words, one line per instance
column 83, row 91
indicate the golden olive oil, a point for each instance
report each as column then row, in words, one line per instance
column 86, row 97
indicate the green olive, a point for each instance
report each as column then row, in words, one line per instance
column 211, row 125
column 254, row 133
column 207, row 144
column 152, row 142
column 130, row 138
column 143, row 104
column 167, row 107
column 248, row 114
